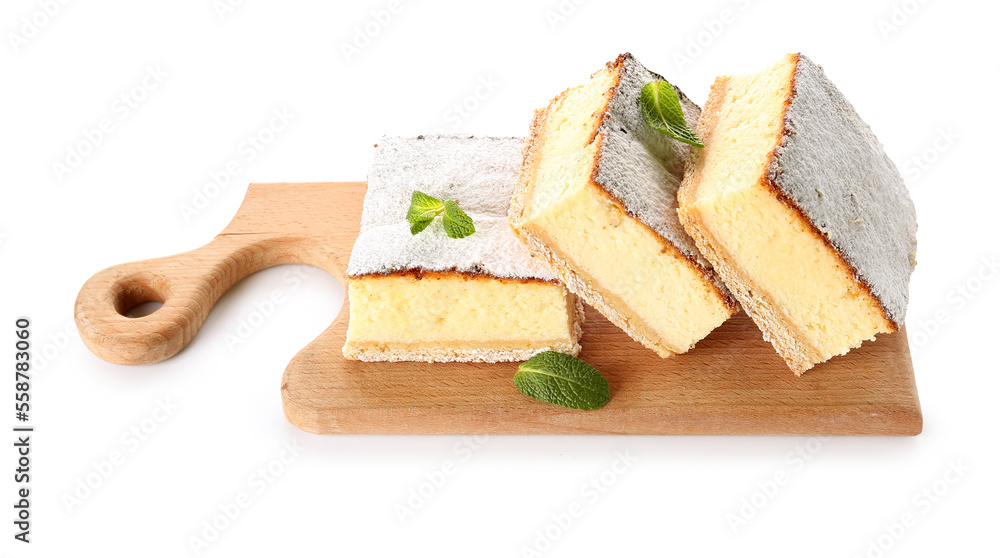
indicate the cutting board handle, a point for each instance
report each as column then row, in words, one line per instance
column 187, row 284
column 309, row 223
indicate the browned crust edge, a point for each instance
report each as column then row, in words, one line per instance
column 768, row 181
column 420, row 273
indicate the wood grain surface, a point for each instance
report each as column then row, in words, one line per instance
column 732, row 382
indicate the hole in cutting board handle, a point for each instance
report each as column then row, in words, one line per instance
column 140, row 295
column 143, row 309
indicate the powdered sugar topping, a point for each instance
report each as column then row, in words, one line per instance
column 479, row 173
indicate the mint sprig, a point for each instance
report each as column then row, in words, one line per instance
column 563, row 380
column 662, row 108
column 424, row 208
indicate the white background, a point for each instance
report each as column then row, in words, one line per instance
column 926, row 81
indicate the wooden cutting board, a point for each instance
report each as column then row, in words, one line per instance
column 732, row 382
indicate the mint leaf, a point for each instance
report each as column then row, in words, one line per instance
column 423, row 209
column 456, row 223
column 662, row 108
column 419, row 225
column 563, row 380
